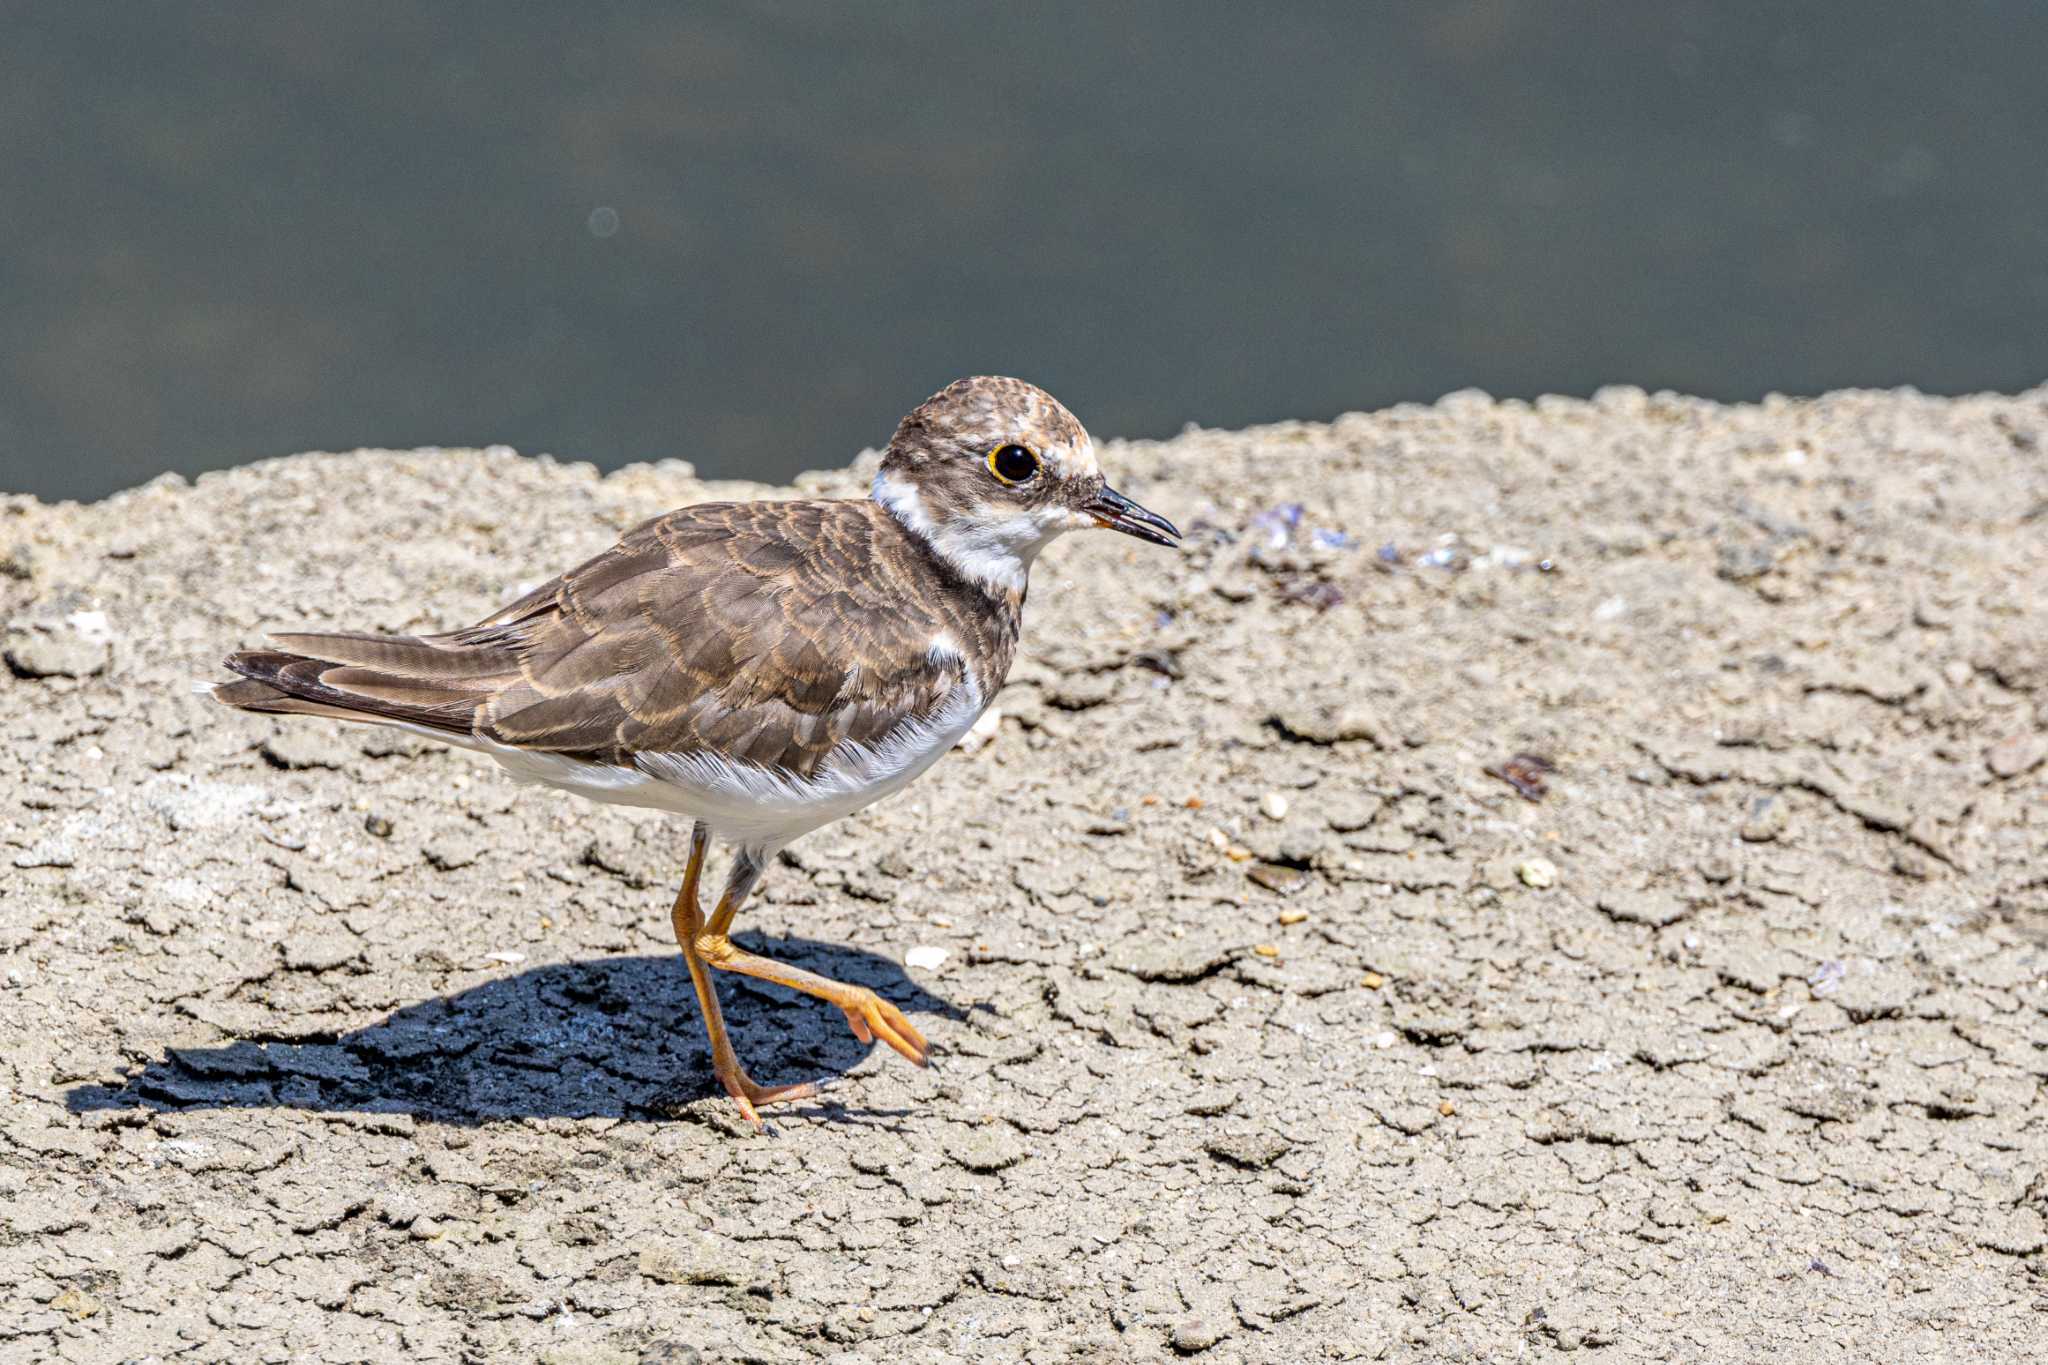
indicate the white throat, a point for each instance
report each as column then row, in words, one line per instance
column 992, row 546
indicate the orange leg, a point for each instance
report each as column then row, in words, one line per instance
column 867, row 1014
column 688, row 922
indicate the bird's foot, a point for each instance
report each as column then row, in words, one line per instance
column 871, row 1017
column 747, row 1095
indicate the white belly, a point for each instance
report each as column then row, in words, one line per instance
column 746, row 803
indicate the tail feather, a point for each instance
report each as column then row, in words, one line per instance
column 431, row 682
column 437, row 656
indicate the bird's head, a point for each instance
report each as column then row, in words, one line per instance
column 990, row 470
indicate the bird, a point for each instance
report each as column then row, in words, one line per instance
column 761, row 669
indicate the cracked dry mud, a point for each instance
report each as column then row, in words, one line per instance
column 1275, row 1027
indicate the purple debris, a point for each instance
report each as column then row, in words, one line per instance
column 1320, row 595
column 1274, row 527
column 1443, row 557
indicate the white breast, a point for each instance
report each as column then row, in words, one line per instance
column 747, row 803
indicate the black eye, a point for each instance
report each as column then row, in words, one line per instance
column 1012, row 464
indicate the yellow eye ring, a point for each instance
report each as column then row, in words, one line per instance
column 1013, row 464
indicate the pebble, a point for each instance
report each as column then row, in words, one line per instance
column 1372, row 981
column 1280, row 880
column 49, row 656
column 1273, row 806
column 1250, row 1150
column 1540, row 873
column 1325, row 723
column 986, row 1149
column 927, row 957
column 1194, row 1334
column 1911, row 862
column 1293, row 916
column 1352, row 812
column 697, row 1257
column 1266, row 949
column 1643, row 907
column 2016, row 754
column 1768, row 817
column 982, row 733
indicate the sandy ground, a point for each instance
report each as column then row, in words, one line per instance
column 1275, row 1026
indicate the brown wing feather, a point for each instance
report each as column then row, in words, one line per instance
column 770, row 632
column 725, row 627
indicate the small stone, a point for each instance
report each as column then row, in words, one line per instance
column 1447, row 1109
column 1273, row 805
column 1540, row 873
column 695, row 1258
column 1293, row 916
column 1372, row 981
column 1281, row 881
column 48, row 853
column 1345, row 814
column 1643, row 907
column 1767, row 820
column 927, row 957
column 982, row 733
column 2016, row 754
column 35, row 655
column 1745, row 563
column 453, row 851
column 1911, row 862
column 668, row 1351
column 1323, row 722
column 79, row 1304
column 378, row 825
column 1195, row 1333
column 1250, row 1151
column 1266, row 949
column 986, row 1149
column 468, row 1291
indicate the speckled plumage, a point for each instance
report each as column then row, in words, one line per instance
column 767, row 633
column 773, row 638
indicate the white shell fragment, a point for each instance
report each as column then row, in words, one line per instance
column 983, row 732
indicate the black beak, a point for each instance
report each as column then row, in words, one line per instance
column 1112, row 509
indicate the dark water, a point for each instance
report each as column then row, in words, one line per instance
column 751, row 236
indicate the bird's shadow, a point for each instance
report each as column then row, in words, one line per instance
column 615, row 1037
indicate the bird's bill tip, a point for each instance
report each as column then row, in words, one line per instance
column 1113, row 511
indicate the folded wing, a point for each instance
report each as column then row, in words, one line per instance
column 766, row 632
